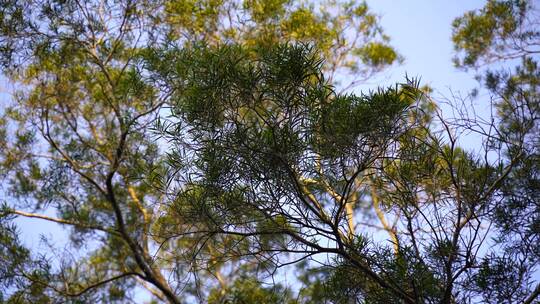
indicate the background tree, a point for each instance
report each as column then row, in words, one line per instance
column 346, row 32
column 507, row 32
column 77, row 144
column 77, row 150
column 501, row 30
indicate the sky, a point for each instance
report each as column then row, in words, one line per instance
column 420, row 30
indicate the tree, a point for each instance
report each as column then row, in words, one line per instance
column 507, row 31
column 260, row 164
column 278, row 160
column 501, row 30
column 346, row 32
column 76, row 139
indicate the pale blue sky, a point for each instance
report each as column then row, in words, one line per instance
column 421, row 31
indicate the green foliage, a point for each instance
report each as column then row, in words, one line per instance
column 501, row 280
column 21, row 273
column 506, row 30
column 246, row 290
column 77, row 142
column 347, row 283
column 373, row 117
column 500, row 30
column 377, row 54
column 288, row 142
column 346, row 32
column 517, row 215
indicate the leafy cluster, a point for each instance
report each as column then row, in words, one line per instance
column 502, row 30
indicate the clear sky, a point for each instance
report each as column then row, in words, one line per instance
column 421, row 31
